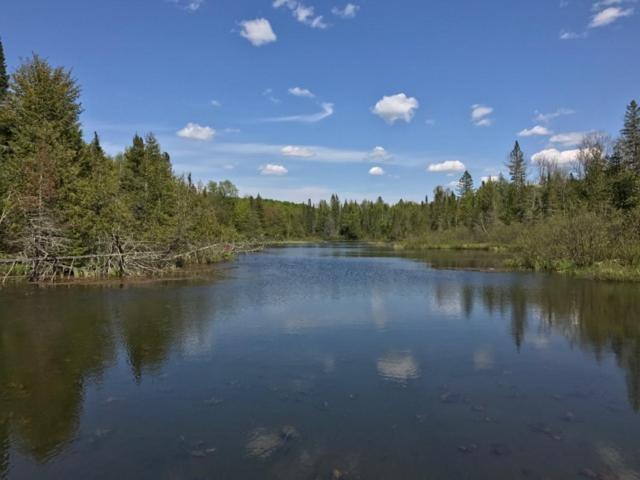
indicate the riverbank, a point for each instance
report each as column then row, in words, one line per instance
column 120, row 267
column 517, row 259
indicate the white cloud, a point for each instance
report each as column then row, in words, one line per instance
column 301, row 92
column 447, row 166
column 480, row 115
column 268, row 94
column 538, row 130
column 288, row 3
column 302, row 13
column 569, row 139
column 216, row 103
column 396, row 107
column 327, row 111
column 258, row 31
column 272, row 169
column 379, row 153
column 318, row 22
column 566, row 35
column 348, row 11
column 554, row 155
column 376, row 171
column 189, row 5
column 608, row 16
column 292, row 151
column 490, row 178
column 605, row 3
column 547, row 117
column 194, row 131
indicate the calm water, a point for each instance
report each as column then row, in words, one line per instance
column 313, row 362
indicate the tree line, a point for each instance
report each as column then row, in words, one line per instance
column 61, row 195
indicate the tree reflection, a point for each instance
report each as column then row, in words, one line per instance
column 158, row 321
column 596, row 316
column 51, row 345
column 52, row 342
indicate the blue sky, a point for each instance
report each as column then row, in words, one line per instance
column 360, row 97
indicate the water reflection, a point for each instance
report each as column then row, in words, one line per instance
column 314, row 319
column 398, row 367
column 45, row 363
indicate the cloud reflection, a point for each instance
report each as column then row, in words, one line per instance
column 398, row 367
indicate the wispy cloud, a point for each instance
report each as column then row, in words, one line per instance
column 301, row 92
column 302, row 13
column 327, row 111
column 538, row 130
column 348, row 11
column 569, row 139
column 480, row 115
column 292, row 151
column 268, row 94
column 547, row 117
column 379, row 154
column 190, row 6
column 567, row 35
column 609, row 15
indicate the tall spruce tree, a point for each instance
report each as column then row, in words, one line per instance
column 4, row 89
column 630, row 137
column 517, row 191
column 4, row 76
column 517, row 166
column 465, row 184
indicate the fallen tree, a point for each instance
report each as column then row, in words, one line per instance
column 120, row 259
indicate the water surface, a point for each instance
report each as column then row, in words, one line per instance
column 324, row 361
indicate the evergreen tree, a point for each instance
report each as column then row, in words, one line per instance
column 4, row 123
column 518, row 173
column 630, row 137
column 42, row 110
column 4, row 76
column 517, row 167
column 465, row 184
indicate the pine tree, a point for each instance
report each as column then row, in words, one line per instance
column 517, row 166
column 630, row 137
column 4, row 77
column 517, row 192
column 4, row 90
column 465, row 184
column 467, row 200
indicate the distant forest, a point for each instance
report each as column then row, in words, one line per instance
column 63, row 197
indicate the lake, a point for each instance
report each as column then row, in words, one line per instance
column 321, row 362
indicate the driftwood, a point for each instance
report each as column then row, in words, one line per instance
column 120, row 259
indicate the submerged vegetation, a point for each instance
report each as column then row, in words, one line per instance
column 69, row 209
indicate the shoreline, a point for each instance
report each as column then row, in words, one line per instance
column 603, row 271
